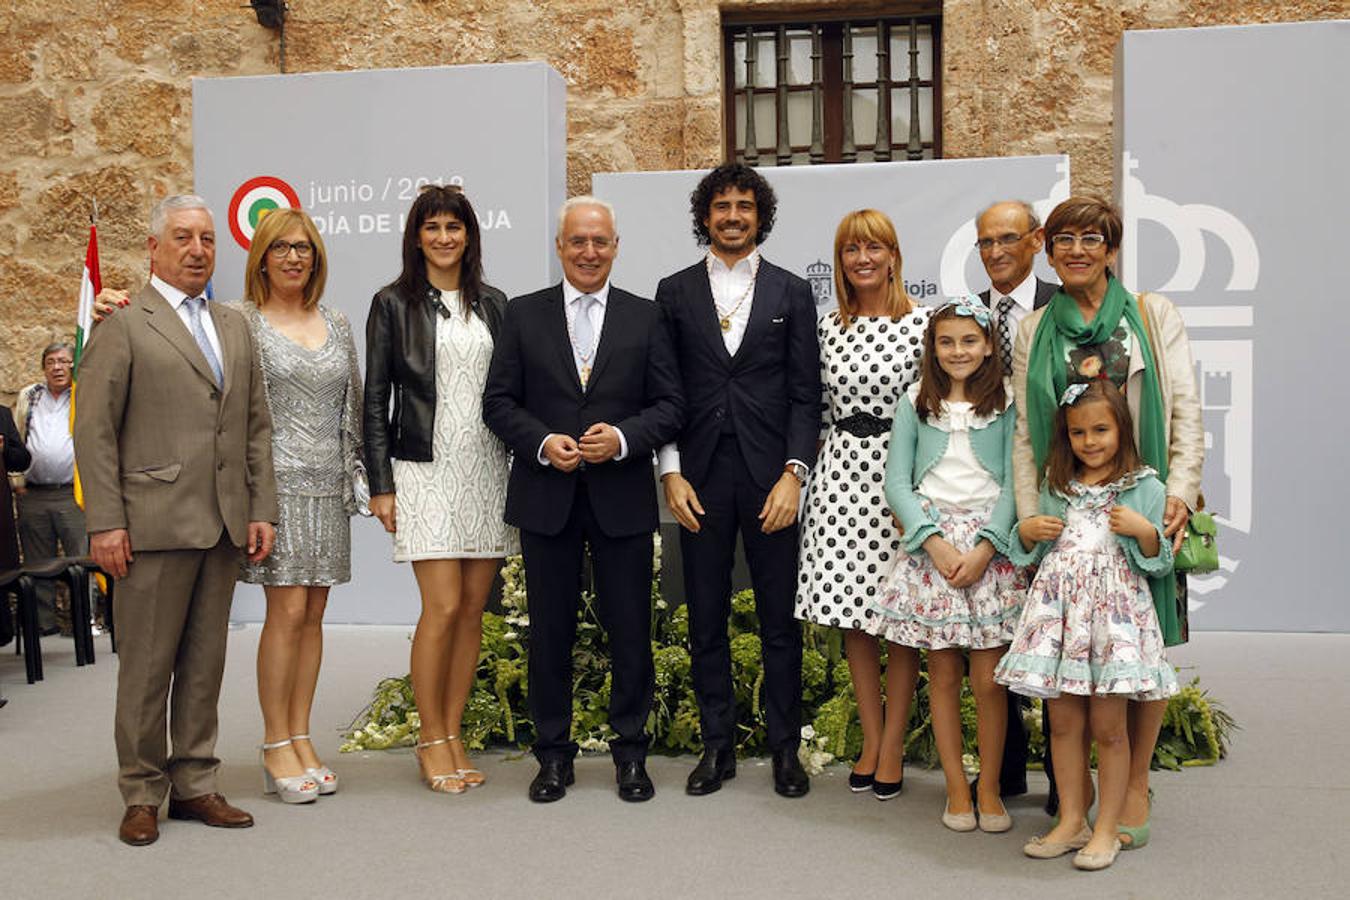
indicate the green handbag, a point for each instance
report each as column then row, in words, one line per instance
column 1199, row 551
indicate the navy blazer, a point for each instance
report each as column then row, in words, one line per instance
column 770, row 388
column 532, row 391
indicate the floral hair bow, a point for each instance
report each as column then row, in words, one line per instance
column 1073, row 392
column 972, row 307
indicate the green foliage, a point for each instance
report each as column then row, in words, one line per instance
column 1196, row 729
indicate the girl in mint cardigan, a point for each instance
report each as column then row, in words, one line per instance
column 1088, row 640
column 953, row 590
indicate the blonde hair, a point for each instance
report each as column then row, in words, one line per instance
column 270, row 227
column 862, row 226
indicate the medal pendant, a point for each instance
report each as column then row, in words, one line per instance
column 726, row 324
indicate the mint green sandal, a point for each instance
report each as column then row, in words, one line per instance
column 1138, row 836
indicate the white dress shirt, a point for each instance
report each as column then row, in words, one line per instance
column 49, row 439
column 729, row 285
column 1024, row 301
column 571, row 307
column 176, row 298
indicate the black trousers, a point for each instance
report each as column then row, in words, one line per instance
column 732, row 501
column 623, row 575
column 1012, row 779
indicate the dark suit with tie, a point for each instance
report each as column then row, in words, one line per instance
column 1013, row 775
column 533, row 390
column 747, row 415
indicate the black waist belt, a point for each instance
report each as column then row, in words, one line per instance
column 861, row 424
column 50, row 487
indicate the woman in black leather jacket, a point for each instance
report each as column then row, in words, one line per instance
column 437, row 475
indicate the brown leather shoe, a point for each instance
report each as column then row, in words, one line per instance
column 211, row 809
column 140, row 825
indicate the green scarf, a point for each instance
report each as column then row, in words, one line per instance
column 1047, row 377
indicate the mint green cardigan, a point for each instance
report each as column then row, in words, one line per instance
column 1148, row 497
column 916, row 447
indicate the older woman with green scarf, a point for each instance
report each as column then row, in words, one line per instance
column 1092, row 329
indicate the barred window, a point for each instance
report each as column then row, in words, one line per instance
column 834, row 89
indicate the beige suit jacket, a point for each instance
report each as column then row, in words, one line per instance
column 1185, row 427
column 161, row 450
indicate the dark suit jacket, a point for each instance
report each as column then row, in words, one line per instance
column 162, row 451
column 1044, row 291
column 533, row 390
column 770, row 388
column 16, row 459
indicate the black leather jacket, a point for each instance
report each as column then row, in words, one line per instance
column 401, row 363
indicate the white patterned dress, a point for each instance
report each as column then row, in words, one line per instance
column 1088, row 626
column 848, row 540
column 451, row 507
column 917, row 606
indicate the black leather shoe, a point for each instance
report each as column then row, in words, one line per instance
column 789, row 778
column 552, row 781
column 635, row 785
column 714, row 767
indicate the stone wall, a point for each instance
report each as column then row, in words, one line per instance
column 95, row 98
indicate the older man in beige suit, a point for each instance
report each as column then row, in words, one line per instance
column 174, row 445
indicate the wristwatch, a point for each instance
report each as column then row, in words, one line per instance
column 797, row 471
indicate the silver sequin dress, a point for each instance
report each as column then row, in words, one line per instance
column 451, row 507
column 314, row 396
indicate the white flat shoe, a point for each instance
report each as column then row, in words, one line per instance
column 958, row 821
column 995, row 823
column 1093, row 862
column 325, row 777
column 291, row 788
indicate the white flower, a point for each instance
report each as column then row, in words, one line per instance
column 808, row 732
column 510, row 635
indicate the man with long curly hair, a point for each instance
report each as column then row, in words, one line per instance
column 745, row 333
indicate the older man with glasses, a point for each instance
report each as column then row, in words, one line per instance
column 50, row 522
column 1009, row 237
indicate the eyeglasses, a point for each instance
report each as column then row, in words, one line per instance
column 56, row 362
column 601, row 244
column 1003, row 240
column 282, row 249
column 1064, row 241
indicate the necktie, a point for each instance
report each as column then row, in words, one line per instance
column 1005, row 332
column 195, row 306
column 583, row 333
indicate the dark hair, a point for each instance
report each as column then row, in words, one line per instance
column 1084, row 212
column 743, row 178
column 1062, row 465
column 435, row 200
column 984, row 389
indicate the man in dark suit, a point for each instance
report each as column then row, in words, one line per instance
column 745, row 335
column 583, row 388
column 1009, row 235
column 173, row 440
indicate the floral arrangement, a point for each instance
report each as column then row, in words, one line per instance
column 1196, row 730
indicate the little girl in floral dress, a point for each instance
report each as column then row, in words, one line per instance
column 1088, row 640
column 953, row 591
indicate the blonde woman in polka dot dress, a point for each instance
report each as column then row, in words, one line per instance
column 870, row 349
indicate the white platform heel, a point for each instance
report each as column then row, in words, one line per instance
column 325, row 777
column 291, row 789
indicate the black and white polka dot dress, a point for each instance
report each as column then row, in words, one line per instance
column 848, row 537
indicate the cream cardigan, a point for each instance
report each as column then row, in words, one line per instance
column 1185, row 428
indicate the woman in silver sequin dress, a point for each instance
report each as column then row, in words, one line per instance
column 437, row 475
column 309, row 366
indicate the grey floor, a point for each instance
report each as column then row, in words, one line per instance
column 1270, row 821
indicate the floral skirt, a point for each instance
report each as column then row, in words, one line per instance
column 918, row 608
column 1088, row 628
